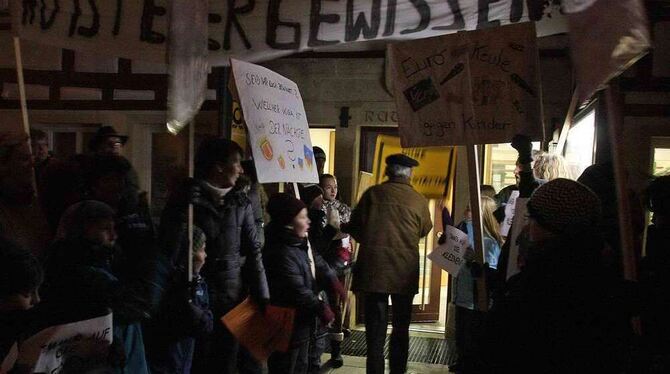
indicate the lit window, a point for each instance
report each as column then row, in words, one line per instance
column 580, row 146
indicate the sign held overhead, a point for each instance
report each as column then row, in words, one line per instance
column 470, row 88
column 278, row 130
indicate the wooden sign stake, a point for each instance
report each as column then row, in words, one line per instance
column 191, row 136
column 615, row 122
column 475, row 208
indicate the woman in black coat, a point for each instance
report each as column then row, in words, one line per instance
column 293, row 273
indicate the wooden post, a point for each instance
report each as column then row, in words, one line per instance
column 22, row 86
column 475, row 208
column 191, row 147
column 563, row 137
column 615, row 123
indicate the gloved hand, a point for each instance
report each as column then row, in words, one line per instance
column 524, row 147
column 338, row 288
column 262, row 304
column 326, row 315
column 334, row 218
column 469, row 254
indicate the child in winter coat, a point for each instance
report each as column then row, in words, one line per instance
column 183, row 315
column 294, row 273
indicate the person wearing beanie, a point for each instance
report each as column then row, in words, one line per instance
column 295, row 274
column 183, row 314
column 234, row 268
column 388, row 222
column 564, row 303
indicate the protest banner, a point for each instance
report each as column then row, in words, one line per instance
column 365, row 181
column 449, row 256
column 48, row 350
column 430, row 177
column 277, row 125
column 520, row 221
column 265, row 29
column 478, row 87
column 510, row 209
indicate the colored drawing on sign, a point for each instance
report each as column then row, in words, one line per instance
column 266, row 148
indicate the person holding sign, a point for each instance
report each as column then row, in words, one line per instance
column 563, row 313
column 388, row 222
column 293, row 278
column 469, row 320
column 234, row 267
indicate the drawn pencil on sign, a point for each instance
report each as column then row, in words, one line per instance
column 522, row 83
column 457, row 69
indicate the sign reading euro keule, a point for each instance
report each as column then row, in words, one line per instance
column 277, row 125
column 470, row 88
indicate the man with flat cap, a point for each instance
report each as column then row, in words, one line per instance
column 388, row 222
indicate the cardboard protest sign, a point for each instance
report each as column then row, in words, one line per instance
column 606, row 38
column 520, row 221
column 48, row 350
column 261, row 333
column 470, row 88
column 265, row 29
column 430, row 177
column 510, row 209
column 277, row 125
column 449, row 256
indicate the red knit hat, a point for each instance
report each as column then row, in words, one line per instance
column 283, row 207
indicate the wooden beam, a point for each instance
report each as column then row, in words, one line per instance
column 477, row 227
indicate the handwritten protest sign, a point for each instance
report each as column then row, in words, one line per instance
column 265, row 29
column 470, row 88
column 432, row 174
column 510, row 209
column 520, row 221
column 277, row 125
column 449, row 256
column 48, row 350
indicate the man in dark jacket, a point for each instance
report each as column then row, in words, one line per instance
column 234, row 267
column 388, row 222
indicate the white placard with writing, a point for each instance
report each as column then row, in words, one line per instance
column 449, row 256
column 277, row 125
column 56, row 343
column 509, row 214
column 520, row 221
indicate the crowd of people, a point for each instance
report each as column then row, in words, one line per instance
column 98, row 251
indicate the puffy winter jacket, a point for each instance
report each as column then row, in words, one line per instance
column 183, row 316
column 291, row 281
column 234, row 265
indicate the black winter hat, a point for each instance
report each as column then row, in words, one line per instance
column 309, row 193
column 402, row 160
column 103, row 133
column 564, row 206
column 283, row 207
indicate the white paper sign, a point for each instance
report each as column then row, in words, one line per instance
column 56, row 343
column 278, row 129
column 520, row 221
column 509, row 213
column 449, row 256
